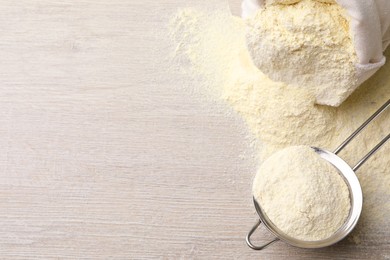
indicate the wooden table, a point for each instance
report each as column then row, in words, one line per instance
column 104, row 153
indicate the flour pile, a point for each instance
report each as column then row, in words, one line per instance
column 306, row 44
column 314, row 202
column 213, row 47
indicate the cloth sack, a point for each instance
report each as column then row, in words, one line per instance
column 370, row 27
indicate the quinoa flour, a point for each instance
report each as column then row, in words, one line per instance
column 307, row 44
column 321, row 197
column 213, row 47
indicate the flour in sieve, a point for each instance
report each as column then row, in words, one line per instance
column 302, row 194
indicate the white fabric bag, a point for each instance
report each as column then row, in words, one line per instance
column 370, row 27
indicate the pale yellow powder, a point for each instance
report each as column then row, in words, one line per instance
column 307, row 44
column 289, row 2
column 280, row 115
column 302, row 194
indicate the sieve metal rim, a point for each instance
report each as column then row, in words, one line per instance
column 356, row 200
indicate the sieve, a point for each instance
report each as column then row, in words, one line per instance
column 355, row 195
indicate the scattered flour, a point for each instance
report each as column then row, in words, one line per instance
column 213, row 46
column 307, row 44
column 302, row 194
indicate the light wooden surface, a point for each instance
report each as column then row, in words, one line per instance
column 104, row 154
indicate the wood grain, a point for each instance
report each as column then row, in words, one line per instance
column 104, row 153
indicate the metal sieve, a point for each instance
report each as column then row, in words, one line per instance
column 355, row 195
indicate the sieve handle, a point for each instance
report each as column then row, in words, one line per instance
column 373, row 151
column 249, row 242
column 363, row 126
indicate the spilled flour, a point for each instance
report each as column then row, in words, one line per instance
column 320, row 194
column 280, row 115
column 307, row 44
